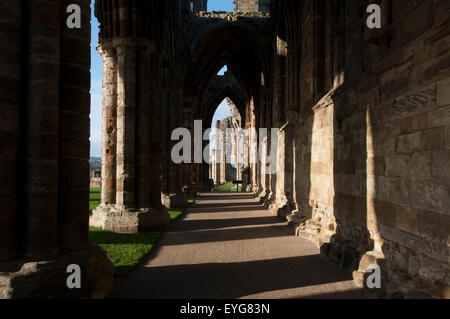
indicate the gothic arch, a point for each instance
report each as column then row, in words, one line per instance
column 224, row 44
column 223, row 87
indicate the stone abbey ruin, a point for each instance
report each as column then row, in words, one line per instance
column 363, row 146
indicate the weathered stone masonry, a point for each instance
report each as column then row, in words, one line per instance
column 369, row 181
column 44, row 152
column 363, row 145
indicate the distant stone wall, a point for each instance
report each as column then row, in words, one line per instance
column 96, row 179
column 252, row 5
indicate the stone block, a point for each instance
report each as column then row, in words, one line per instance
column 433, row 226
column 386, row 213
column 443, row 92
column 394, row 189
column 407, row 144
column 415, row 123
column 432, row 274
column 429, row 195
column 440, row 166
column 118, row 219
column 175, row 201
column 415, row 166
column 406, row 218
column 417, row 20
column 440, row 117
column 435, row 70
column 47, row 279
column 433, row 139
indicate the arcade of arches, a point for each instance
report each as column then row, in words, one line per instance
column 363, row 153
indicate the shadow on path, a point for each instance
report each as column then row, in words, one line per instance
column 228, row 246
column 235, row 280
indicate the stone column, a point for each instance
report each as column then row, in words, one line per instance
column 143, row 134
column 10, row 127
column 217, row 159
column 42, row 125
column 175, row 198
column 253, row 138
column 263, row 170
column 135, row 210
column 213, row 167
column 74, row 133
column 126, row 121
column 109, row 137
column 282, row 204
column 49, row 183
column 272, row 177
column 265, row 149
column 246, row 171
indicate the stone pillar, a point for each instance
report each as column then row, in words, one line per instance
column 50, row 178
column 175, row 197
column 126, row 121
column 109, row 138
column 143, row 134
column 74, row 133
column 134, row 211
column 264, row 151
column 263, row 171
column 10, row 127
column 284, row 203
column 272, row 178
column 253, row 139
column 239, row 138
column 42, row 106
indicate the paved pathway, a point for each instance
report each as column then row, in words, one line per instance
column 228, row 246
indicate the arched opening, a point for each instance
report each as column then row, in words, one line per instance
column 218, row 46
column 221, row 167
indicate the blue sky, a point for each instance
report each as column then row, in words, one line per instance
column 220, row 5
column 96, row 91
column 222, row 112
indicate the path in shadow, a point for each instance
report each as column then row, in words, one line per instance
column 235, row 280
column 226, row 253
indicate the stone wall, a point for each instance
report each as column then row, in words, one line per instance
column 252, row 6
column 371, row 161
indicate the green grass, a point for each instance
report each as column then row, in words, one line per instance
column 174, row 214
column 124, row 250
column 230, row 187
column 94, row 198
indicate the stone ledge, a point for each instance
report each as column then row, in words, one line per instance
column 48, row 279
column 118, row 219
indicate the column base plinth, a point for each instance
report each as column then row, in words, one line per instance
column 48, row 279
column 119, row 219
column 175, row 201
column 282, row 207
column 262, row 195
column 191, row 191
